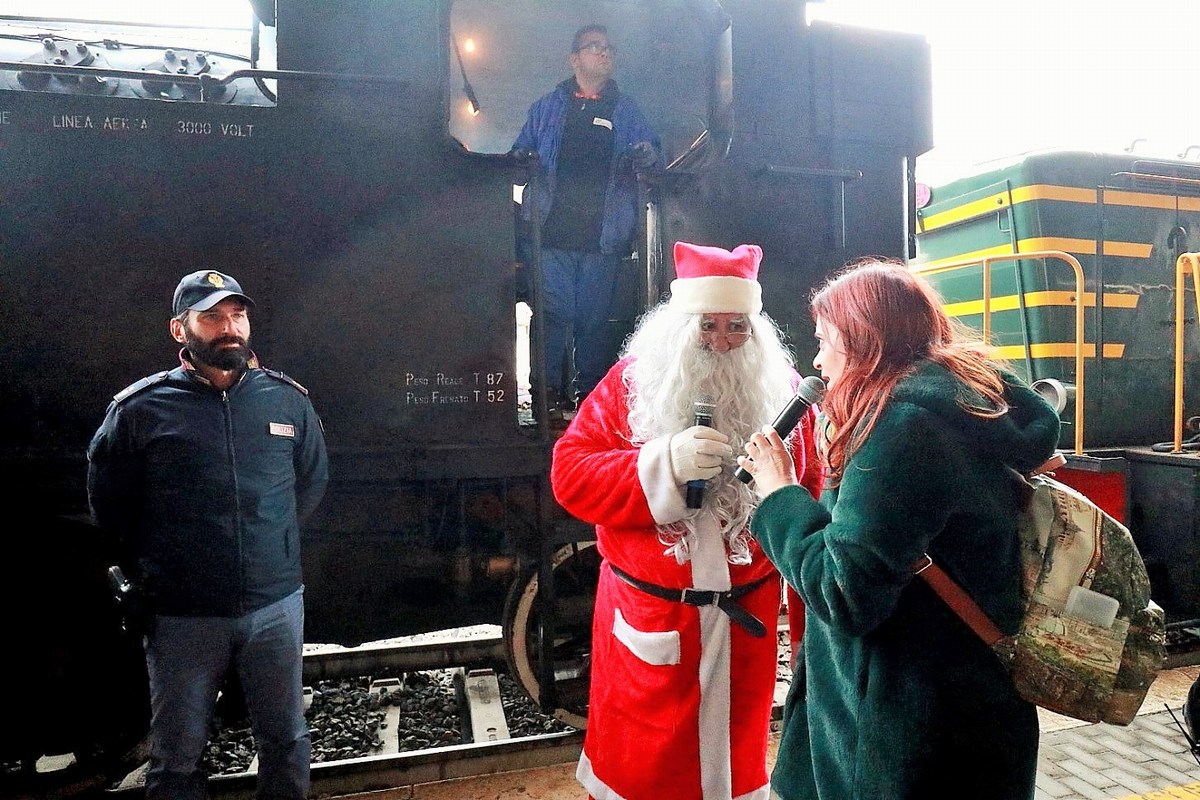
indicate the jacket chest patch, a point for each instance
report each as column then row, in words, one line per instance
column 602, row 122
column 282, row 429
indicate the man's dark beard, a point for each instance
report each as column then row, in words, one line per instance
column 214, row 355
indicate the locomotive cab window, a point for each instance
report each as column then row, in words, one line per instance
column 171, row 51
column 670, row 56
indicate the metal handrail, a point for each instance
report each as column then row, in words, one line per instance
column 201, row 79
column 986, row 262
column 1187, row 262
column 205, row 81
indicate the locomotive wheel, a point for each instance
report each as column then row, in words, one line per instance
column 576, row 569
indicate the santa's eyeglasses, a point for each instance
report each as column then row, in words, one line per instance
column 734, row 336
column 738, row 337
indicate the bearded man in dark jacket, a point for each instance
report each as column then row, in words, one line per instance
column 204, row 472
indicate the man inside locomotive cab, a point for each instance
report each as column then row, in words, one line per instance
column 589, row 139
column 684, row 648
column 204, row 472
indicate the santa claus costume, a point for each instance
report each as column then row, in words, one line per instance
column 684, row 636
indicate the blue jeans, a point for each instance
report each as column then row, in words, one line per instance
column 578, row 291
column 188, row 658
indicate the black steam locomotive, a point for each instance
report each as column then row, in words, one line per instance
column 349, row 162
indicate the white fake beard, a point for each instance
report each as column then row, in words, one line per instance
column 748, row 386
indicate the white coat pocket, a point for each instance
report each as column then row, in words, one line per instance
column 660, row 648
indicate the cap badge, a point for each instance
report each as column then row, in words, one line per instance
column 216, row 280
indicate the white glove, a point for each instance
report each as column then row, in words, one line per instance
column 697, row 453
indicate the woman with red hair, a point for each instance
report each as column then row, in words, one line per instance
column 895, row 697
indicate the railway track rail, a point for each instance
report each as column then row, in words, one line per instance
column 375, row 773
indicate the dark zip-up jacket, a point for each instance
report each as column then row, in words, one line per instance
column 206, row 488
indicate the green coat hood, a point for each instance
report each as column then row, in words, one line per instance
column 1017, row 438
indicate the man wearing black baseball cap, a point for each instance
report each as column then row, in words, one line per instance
column 205, row 472
column 202, row 290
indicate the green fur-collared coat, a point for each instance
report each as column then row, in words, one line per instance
column 895, row 697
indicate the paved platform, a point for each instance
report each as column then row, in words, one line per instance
column 1148, row 760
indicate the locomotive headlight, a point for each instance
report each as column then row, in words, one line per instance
column 1054, row 392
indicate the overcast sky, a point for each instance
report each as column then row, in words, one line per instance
column 1011, row 76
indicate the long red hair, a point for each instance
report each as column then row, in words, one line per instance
column 890, row 320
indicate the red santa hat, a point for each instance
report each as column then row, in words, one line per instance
column 712, row 280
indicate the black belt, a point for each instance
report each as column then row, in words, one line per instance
column 726, row 601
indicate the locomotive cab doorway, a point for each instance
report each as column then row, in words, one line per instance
column 674, row 59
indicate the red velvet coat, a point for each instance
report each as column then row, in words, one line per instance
column 680, row 697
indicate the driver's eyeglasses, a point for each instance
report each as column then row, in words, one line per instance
column 595, row 48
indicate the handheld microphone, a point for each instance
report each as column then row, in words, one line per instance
column 810, row 391
column 702, row 410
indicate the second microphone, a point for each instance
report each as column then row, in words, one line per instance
column 702, row 414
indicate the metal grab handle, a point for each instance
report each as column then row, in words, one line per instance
column 1186, row 263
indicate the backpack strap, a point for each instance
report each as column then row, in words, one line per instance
column 958, row 600
column 1049, row 465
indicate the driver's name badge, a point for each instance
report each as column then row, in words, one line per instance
column 282, row 429
column 602, row 122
